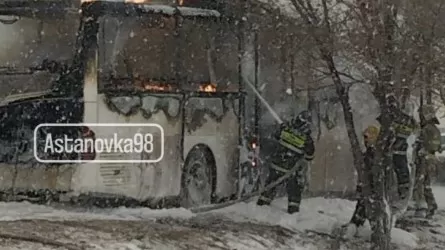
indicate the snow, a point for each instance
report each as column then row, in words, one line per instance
column 337, row 9
column 317, row 215
column 184, row 11
column 12, row 211
column 320, row 214
column 403, row 238
column 164, row 9
column 187, row 11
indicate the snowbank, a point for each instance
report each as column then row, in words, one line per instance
column 25, row 210
column 317, row 214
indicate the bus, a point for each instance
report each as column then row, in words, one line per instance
column 132, row 62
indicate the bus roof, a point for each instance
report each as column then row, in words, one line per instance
column 128, row 8
column 60, row 8
column 38, row 9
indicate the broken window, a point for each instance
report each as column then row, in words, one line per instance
column 137, row 47
column 195, row 36
column 226, row 57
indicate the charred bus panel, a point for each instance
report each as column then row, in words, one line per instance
column 136, row 180
column 212, row 123
column 19, row 169
column 156, row 66
column 168, row 66
column 34, row 47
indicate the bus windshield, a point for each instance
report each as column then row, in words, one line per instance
column 25, row 43
column 151, row 49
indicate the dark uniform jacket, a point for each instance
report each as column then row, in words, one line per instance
column 369, row 161
column 402, row 127
column 291, row 146
column 429, row 139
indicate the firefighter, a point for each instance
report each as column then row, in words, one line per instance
column 402, row 127
column 370, row 139
column 427, row 145
column 294, row 146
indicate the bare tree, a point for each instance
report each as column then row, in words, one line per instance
column 372, row 39
column 320, row 28
column 395, row 45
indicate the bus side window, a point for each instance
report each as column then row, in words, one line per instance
column 193, row 50
column 137, row 47
column 226, row 56
column 107, row 32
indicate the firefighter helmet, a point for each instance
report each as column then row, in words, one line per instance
column 370, row 135
column 391, row 101
column 302, row 121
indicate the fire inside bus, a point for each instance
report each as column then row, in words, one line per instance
column 136, row 62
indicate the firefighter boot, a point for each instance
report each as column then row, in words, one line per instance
column 431, row 211
column 263, row 201
column 293, row 208
column 294, row 189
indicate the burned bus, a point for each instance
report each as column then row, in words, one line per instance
column 133, row 62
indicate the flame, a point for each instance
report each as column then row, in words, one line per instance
column 181, row 2
column 208, row 88
column 157, row 87
column 253, row 145
column 153, row 85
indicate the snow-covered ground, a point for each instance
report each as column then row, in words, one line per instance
column 241, row 226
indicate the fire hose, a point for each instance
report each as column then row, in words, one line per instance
column 274, row 184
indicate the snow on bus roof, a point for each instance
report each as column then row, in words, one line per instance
column 183, row 11
column 32, row 8
column 158, row 7
column 189, row 11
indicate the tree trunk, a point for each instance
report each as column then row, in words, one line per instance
column 379, row 213
column 343, row 94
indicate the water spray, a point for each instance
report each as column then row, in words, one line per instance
column 274, row 114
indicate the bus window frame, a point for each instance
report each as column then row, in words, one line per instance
column 94, row 11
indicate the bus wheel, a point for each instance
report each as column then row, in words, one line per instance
column 197, row 178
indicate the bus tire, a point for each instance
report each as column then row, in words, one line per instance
column 198, row 178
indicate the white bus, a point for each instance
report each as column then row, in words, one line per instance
column 133, row 62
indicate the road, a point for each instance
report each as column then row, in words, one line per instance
column 243, row 226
